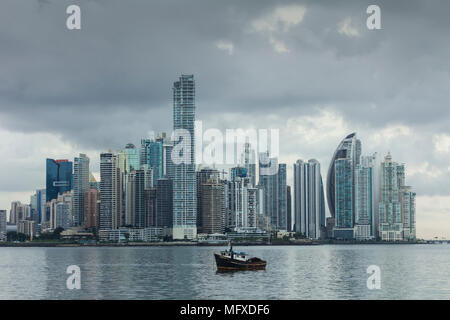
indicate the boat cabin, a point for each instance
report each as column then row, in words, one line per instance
column 242, row 256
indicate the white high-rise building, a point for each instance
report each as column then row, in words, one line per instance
column 408, row 211
column 390, row 216
column 61, row 211
column 309, row 204
column 184, row 183
column 242, row 204
column 18, row 212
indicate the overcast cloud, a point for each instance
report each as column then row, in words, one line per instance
column 310, row 68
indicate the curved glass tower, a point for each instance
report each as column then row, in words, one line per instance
column 350, row 149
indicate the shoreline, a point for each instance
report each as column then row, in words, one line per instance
column 194, row 244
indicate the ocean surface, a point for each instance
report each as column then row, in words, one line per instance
column 293, row 272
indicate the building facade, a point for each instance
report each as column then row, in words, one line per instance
column 203, row 176
column 309, row 204
column 289, row 209
column 268, row 181
column 390, row 206
column 184, row 184
column 212, row 204
column 408, row 212
column 282, row 197
column 348, row 148
column 110, row 192
column 366, row 198
column 341, row 186
column 3, row 225
column 92, row 208
column 80, row 187
column 59, row 178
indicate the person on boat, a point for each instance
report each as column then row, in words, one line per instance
column 231, row 250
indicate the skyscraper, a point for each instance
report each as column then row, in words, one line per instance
column 344, row 199
column 203, row 176
column 212, row 204
column 139, row 202
column 184, row 185
column 133, row 160
column 274, row 184
column 80, row 187
column 309, row 201
column 341, row 186
column 164, row 202
column 269, row 182
column 152, row 156
column 241, row 203
column 2, row 225
column 249, row 163
column 397, row 203
column 58, row 178
column 349, row 148
column 130, row 197
column 151, row 217
column 156, row 159
column 282, row 197
column 289, row 209
column 33, row 208
column 19, row 212
column 62, row 216
column 252, row 206
column 61, row 211
column 91, row 208
column 110, row 192
column 144, row 158
column 408, row 211
column 262, row 221
column 366, row 197
column 168, row 166
column 40, row 205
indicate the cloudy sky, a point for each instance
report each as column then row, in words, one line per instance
column 310, row 68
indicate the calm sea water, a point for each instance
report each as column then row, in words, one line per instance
column 293, row 272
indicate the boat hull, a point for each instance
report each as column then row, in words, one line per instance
column 225, row 263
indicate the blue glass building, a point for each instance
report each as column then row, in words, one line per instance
column 156, row 159
column 59, row 178
column 350, row 148
column 152, row 156
column 40, row 204
column 344, row 199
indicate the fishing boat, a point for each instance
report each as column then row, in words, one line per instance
column 229, row 260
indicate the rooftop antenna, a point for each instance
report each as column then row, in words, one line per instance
column 223, row 172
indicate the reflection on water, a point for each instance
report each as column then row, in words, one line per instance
column 293, row 272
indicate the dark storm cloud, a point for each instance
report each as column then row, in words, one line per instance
column 111, row 81
column 127, row 55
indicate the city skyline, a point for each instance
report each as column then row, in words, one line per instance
column 367, row 199
column 61, row 111
column 127, row 160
